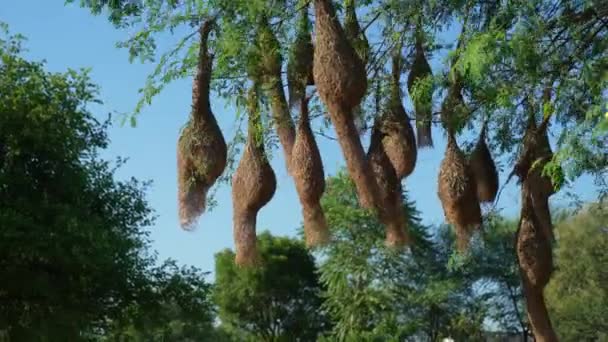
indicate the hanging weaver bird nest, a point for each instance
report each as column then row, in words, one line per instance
column 419, row 85
column 458, row 193
column 253, row 185
column 535, row 154
column 269, row 71
column 307, row 172
column 201, row 151
column 339, row 73
column 484, row 169
column 389, row 186
column 398, row 137
column 533, row 246
column 299, row 65
column 341, row 82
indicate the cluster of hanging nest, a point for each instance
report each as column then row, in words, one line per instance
column 335, row 64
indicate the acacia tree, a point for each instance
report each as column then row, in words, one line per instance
column 517, row 66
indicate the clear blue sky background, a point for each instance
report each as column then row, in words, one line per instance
column 69, row 37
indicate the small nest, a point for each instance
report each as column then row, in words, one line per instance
column 339, row 73
column 202, row 151
column 389, row 186
column 484, row 169
column 299, row 66
column 253, row 186
column 309, row 177
column 398, row 140
column 458, row 193
column 533, row 247
column 418, row 83
column 354, row 33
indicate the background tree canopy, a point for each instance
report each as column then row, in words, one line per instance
column 74, row 255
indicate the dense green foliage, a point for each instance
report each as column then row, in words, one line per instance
column 278, row 301
column 577, row 295
column 374, row 293
column 74, row 257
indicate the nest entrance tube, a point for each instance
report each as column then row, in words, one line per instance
column 201, row 150
column 458, row 194
column 342, row 82
column 484, row 169
column 536, row 266
column 309, row 177
column 253, row 186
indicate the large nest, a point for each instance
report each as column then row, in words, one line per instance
column 341, row 81
column 201, row 152
column 484, row 170
column 458, row 193
column 339, row 73
column 253, row 186
column 389, row 186
column 533, row 246
column 535, row 154
column 299, row 66
column 398, row 139
column 419, row 85
column 307, row 171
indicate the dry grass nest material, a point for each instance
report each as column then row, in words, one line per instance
column 309, row 177
column 458, row 193
column 353, row 31
column 202, row 151
column 484, row 169
column 253, row 186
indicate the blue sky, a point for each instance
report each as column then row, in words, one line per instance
column 69, row 37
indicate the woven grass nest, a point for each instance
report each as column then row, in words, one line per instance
column 535, row 154
column 484, row 169
column 389, row 186
column 398, row 137
column 341, row 82
column 201, row 151
column 309, row 177
column 339, row 73
column 423, row 104
column 253, row 186
column 533, row 246
column 458, row 193
column 301, row 55
column 269, row 70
